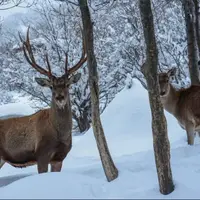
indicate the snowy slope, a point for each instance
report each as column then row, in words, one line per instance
column 127, row 125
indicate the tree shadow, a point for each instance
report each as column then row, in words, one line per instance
column 6, row 180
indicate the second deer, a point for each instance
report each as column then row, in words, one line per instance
column 183, row 104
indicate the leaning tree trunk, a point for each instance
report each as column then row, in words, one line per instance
column 159, row 125
column 108, row 164
column 190, row 21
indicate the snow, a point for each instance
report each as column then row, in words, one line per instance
column 127, row 126
column 15, row 109
column 20, row 108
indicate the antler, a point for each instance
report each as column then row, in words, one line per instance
column 80, row 62
column 28, row 54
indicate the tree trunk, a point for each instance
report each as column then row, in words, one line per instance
column 197, row 17
column 159, row 126
column 189, row 10
column 110, row 170
column 83, row 121
column 83, row 124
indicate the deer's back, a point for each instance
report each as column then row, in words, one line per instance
column 188, row 105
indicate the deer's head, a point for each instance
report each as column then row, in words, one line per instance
column 164, row 81
column 58, row 85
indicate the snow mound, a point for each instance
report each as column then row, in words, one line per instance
column 19, row 108
column 127, row 125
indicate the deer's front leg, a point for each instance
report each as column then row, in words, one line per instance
column 190, row 133
column 56, row 166
column 44, row 154
column 62, row 151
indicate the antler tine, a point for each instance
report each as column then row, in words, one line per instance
column 82, row 59
column 28, row 54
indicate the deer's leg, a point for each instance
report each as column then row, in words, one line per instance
column 198, row 133
column 44, row 154
column 62, row 151
column 56, row 166
column 42, row 162
column 190, row 134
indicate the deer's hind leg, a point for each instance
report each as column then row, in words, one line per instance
column 198, row 132
column 190, row 133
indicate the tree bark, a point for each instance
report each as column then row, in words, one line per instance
column 159, row 126
column 83, row 123
column 197, row 17
column 190, row 21
column 110, row 170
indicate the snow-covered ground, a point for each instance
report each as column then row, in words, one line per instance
column 127, row 125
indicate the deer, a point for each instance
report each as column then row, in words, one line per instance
column 183, row 104
column 44, row 137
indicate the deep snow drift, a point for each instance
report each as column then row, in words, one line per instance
column 127, row 125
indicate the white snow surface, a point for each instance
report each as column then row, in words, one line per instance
column 127, row 126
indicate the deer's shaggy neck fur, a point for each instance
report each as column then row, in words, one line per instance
column 61, row 119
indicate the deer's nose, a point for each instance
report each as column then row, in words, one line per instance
column 60, row 98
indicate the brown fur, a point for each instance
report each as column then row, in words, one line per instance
column 44, row 137
column 183, row 104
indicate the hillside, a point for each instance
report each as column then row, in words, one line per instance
column 127, row 125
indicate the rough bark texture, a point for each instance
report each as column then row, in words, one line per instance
column 108, row 164
column 159, row 125
column 197, row 16
column 190, row 21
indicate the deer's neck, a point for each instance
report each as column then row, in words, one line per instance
column 170, row 100
column 61, row 119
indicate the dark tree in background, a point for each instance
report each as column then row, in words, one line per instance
column 110, row 170
column 159, row 124
column 192, row 45
column 197, row 16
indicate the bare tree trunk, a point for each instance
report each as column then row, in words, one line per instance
column 159, row 125
column 83, row 121
column 197, row 16
column 190, row 21
column 110, row 170
column 83, row 124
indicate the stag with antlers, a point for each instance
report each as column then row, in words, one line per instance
column 44, row 137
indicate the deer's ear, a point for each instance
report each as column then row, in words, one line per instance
column 43, row 82
column 172, row 72
column 74, row 79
